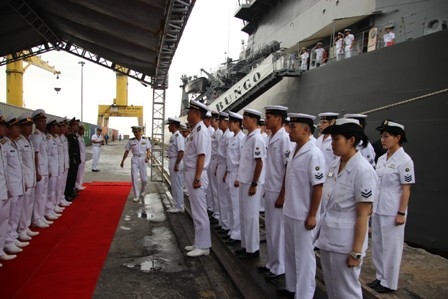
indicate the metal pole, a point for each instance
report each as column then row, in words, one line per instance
column 82, row 87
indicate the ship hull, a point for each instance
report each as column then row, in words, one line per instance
column 376, row 83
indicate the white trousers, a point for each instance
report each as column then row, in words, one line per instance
column 51, row 194
column 27, row 210
column 62, row 181
column 234, row 206
column 40, row 198
column 213, row 187
column 138, row 168
column 80, row 176
column 387, row 249
column 177, row 183
column 250, row 218
column 300, row 259
column 5, row 208
column 198, row 203
column 348, row 52
column 14, row 216
column 275, row 234
column 96, row 157
column 223, row 196
column 341, row 282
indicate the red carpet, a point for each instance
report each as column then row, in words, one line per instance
column 65, row 260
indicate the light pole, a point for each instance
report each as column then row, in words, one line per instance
column 82, row 86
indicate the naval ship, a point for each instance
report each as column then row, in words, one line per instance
column 406, row 82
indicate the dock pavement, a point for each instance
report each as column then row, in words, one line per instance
column 422, row 274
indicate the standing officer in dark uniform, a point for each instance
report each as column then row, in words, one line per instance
column 74, row 157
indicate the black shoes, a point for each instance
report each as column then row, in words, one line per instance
column 382, row 290
column 286, row 293
column 249, row 255
column 270, row 275
column 240, row 251
column 263, row 269
column 95, row 170
column 213, row 220
column 374, row 283
column 230, row 241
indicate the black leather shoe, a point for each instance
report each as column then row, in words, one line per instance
column 270, row 275
column 217, row 228
column 286, row 293
column 225, row 237
column 380, row 289
column 213, row 221
column 249, row 255
column 209, row 213
column 263, row 269
column 374, row 283
column 240, row 251
column 223, row 231
column 230, row 241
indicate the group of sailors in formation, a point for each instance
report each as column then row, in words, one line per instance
column 315, row 193
column 40, row 174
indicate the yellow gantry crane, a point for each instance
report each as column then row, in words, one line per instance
column 14, row 78
column 120, row 105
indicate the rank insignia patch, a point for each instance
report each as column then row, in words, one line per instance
column 199, row 128
column 408, row 178
column 287, row 153
column 407, row 169
column 319, row 176
column 366, row 193
column 317, row 168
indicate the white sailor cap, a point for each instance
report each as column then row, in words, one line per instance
column 52, row 121
column 347, row 30
column 252, row 113
column 172, row 121
column 388, row 123
column 276, row 110
column 360, row 117
column 301, row 118
column 11, row 120
column 136, row 128
column 37, row 114
column 223, row 115
column 235, row 116
column 208, row 114
column 215, row 114
column 344, row 125
column 328, row 115
column 198, row 106
column 25, row 119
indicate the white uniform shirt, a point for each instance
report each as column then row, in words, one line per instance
column 234, row 151
column 138, row 147
column 60, row 153
column 198, row 142
column 53, row 156
column 327, row 150
column 304, row 61
column 338, row 46
column 368, row 152
column 3, row 185
column 320, row 52
column 66, row 157
column 304, row 171
column 392, row 173
column 211, row 130
column 39, row 140
column 82, row 148
column 96, row 137
column 277, row 155
column 15, row 185
column 254, row 147
column 388, row 37
column 215, row 142
column 357, row 182
column 348, row 40
column 177, row 144
column 222, row 148
column 28, row 161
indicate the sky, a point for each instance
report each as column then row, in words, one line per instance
column 211, row 35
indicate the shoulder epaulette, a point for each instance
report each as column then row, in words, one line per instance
column 3, row 141
column 133, row 138
column 199, row 128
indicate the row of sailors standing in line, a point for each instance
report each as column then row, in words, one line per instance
column 317, row 193
column 38, row 175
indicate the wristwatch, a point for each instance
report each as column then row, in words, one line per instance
column 254, row 184
column 357, row 256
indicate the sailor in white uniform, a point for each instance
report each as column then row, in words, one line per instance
column 53, row 169
column 303, row 191
column 5, row 204
column 208, row 120
column 40, row 148
column 176, row 150
column 213, row 180
column 29, row 175
column 323, row 142
column 196, row 161
column 223, row 186
column 97, row 142
column 14, row 184
column 395, row 171
column 347, row 196
column 349, row 40
column 233, row 155
column 251, row 175
column 63, row 127
column 140, row 148
column 367, row 152
column 277, row 155
column 82, row 155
